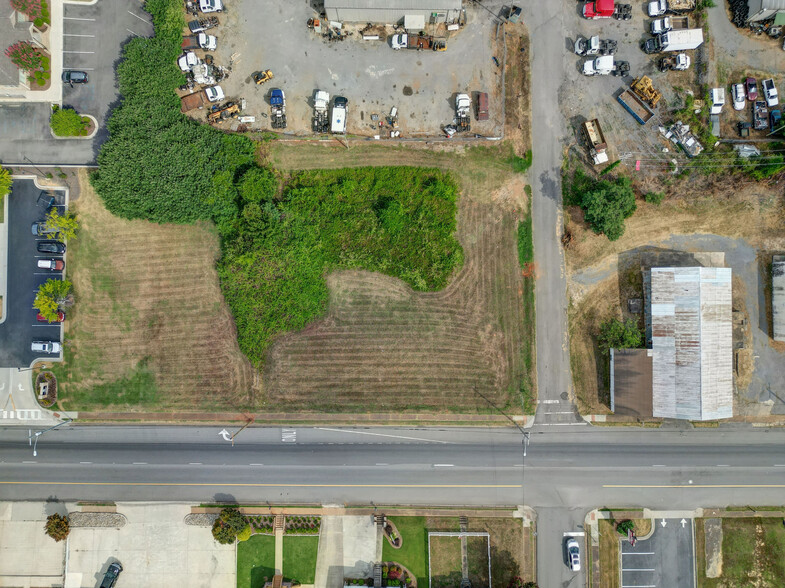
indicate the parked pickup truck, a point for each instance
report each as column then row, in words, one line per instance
column 407, row 41
column 770, row 92
column 200, row 41
column 203, row 24
column 669, row 23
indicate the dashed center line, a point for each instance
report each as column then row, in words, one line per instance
column 443, row 465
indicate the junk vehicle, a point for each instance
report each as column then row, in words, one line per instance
column 646, row 91
column 607, row 9
column 204, row 74
column 760, row 116
column 200, row 41
column 203, row 24
column 407, row 41
column 262, row 76
column 669, row 23
column 682, row 40
column 338, row 117
column 595, row 46
column 678, row 62
column 320, row 123
column 277, row 109
column 717, row 96
column 211, row 5
column 463, row 106
column 482, row 106
column 770, row 92
column 596, row 141
column 188, row 60
column 776, row 119
column 218, row 114
column 635, row 106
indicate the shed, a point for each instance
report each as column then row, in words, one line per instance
column 631, row 382
column 414, row 22
column 765, row 9
column 778, row 297
column 393, row 11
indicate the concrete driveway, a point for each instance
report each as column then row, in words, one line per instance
column 667, row 558
column 156, row 549
column 20, row 327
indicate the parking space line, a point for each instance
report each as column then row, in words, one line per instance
column 75, row 35
column 82, row 68
column 133, row 33
column 82, row 52
column 137, row 16
column 75, row 18
column 637, row 553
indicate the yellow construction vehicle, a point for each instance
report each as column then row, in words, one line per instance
column 220, row 113
column 262, row 76
column 643, row 87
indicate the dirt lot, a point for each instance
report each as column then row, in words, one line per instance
column 149, row 329
column 383, row 345
column 374, row 78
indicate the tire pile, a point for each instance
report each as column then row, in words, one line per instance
column 740, row 10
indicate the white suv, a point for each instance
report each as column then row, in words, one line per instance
column 45, row 347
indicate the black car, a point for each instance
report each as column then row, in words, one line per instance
column 74, row 77
column 110, row 577
column 46, row 201
column 51, row 247
column 39, row 228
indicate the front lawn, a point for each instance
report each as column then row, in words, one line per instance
column 299, row 558
column 255, row 561
column 413, row 553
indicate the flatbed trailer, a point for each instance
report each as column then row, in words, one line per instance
column 639, row 110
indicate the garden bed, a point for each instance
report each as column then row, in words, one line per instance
column 392, row 535
column 302, row 525
column 50, row 380
column 395, row 574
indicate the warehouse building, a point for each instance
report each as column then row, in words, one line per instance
column 687, row 370
column 393, row 11
column 766, row 9
column 778, row 297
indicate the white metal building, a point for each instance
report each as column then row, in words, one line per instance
column 765, row 9
column 778, row 297
column 392, row 11
column 690, row 313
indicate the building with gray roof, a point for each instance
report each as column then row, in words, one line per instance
column 778, row 297
column 393, row 11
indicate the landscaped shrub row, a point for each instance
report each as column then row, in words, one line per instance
column 358, row 581
column 394, row 575
column 304, row 525
column 261, row 524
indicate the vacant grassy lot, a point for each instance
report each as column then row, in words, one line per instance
column 753, row 554
column 445, row 562
column 413, row 553
column 383, row 346
column 255, row 561
column 149, row 329
column 477, row 560
column 299, row 558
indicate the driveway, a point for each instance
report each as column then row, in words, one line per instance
column 667, row 558
column 21, row 327
column 156, row 549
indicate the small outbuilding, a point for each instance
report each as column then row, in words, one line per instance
column 778, row 297
column 765, row 9
column 393, row 11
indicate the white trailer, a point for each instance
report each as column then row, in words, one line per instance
column 682, row 40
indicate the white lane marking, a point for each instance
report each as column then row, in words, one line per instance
column 75, row 35
column 443, row 465
column 385, row 435
column 658, row 465
column 779, row 465
column 382, row 464
column 75, row 18
column 256, row 464
column 195, row 463
column 137, row 16
column 288, row 435
column 80, row 68
column 562, row 424
column 29, row 462
column 133, row 33
column 549, row 401
column 638, row 553
column 140, row 463
column 80, row 52
column 637, row 569
column 723, row 465
column 561, row 412
column 85, row 462
column 638, row 586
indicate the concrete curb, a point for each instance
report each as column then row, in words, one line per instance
column 4, row 258
column 79, row 138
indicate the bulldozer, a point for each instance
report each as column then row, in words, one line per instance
column 262, row 76
column 218, row 114
column 643, row 87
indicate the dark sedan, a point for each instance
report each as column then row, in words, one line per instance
column 51, row 247
column 72, row 77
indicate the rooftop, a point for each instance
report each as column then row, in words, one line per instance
column 778, row 297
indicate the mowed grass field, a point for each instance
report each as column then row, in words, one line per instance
column 149, row 330
column 384, row 347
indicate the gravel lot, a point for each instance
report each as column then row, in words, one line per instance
column 374, row 78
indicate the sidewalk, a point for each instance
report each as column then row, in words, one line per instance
column 18, row 405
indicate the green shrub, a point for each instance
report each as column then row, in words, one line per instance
column 615, row 334
column 520, row 164
column 654, row 197
column 5, row 181
column 624, row 526
column 245, row 534
column 57, row 526
column 610, row 167
column 66, row 122
column 606, row 204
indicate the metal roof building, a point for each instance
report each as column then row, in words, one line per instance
column 765, row 9
column 392, row 11
column 778, row 297
column 690, row 316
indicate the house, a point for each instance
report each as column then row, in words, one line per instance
column 778, row 297
column 765, row 9
column 688, row 366
column 393, row 11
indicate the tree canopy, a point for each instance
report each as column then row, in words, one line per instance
column 607, row 204
column 65, row 225
column 51, row 295
column 615, row 334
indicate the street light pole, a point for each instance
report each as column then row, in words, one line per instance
column 34, row 165
column 39, row 433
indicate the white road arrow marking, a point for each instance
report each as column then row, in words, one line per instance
column 683, row 522
column 663, row 523
column 226, row 435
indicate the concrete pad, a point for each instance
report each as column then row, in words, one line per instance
column 348, row 548
column 28, row 557
column 713, row 535
column 155, row 547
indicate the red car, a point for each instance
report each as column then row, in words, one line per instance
column 60, row 317
column 751, row 85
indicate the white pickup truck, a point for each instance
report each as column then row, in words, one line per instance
column 770, row 92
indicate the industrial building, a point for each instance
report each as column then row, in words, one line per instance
column 765, row 9
column 778, row 297
column 687, row 370
column 394, row 11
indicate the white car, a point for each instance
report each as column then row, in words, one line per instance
column 214, row 93
column 574, row 555
column 657, row 7
column 739, row 99
column 211, row 5
column 187, row 61
column 770, row 92
column 45, row 347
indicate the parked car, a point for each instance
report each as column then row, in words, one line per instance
column 46, row 201
column 51, row 247
column 110, row 577
column 42, row 319
column 39, row 228
column 72, row 77
column 46, row 347
column 55, row 265
column 737, row 93
column 574, row 555
column 752, row 89
column 214, row 93
column 211, row 5
column 770, row 92
column 775, row 116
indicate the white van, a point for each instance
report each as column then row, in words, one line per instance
column 338, row 124
column 45, row 347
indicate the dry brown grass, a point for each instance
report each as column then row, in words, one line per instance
column 506, row 536
column 383, row 346
column 445, row 558
column 148, row 300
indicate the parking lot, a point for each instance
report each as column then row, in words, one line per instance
column 20, row 327
column 421, row 84
column 667, row 558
